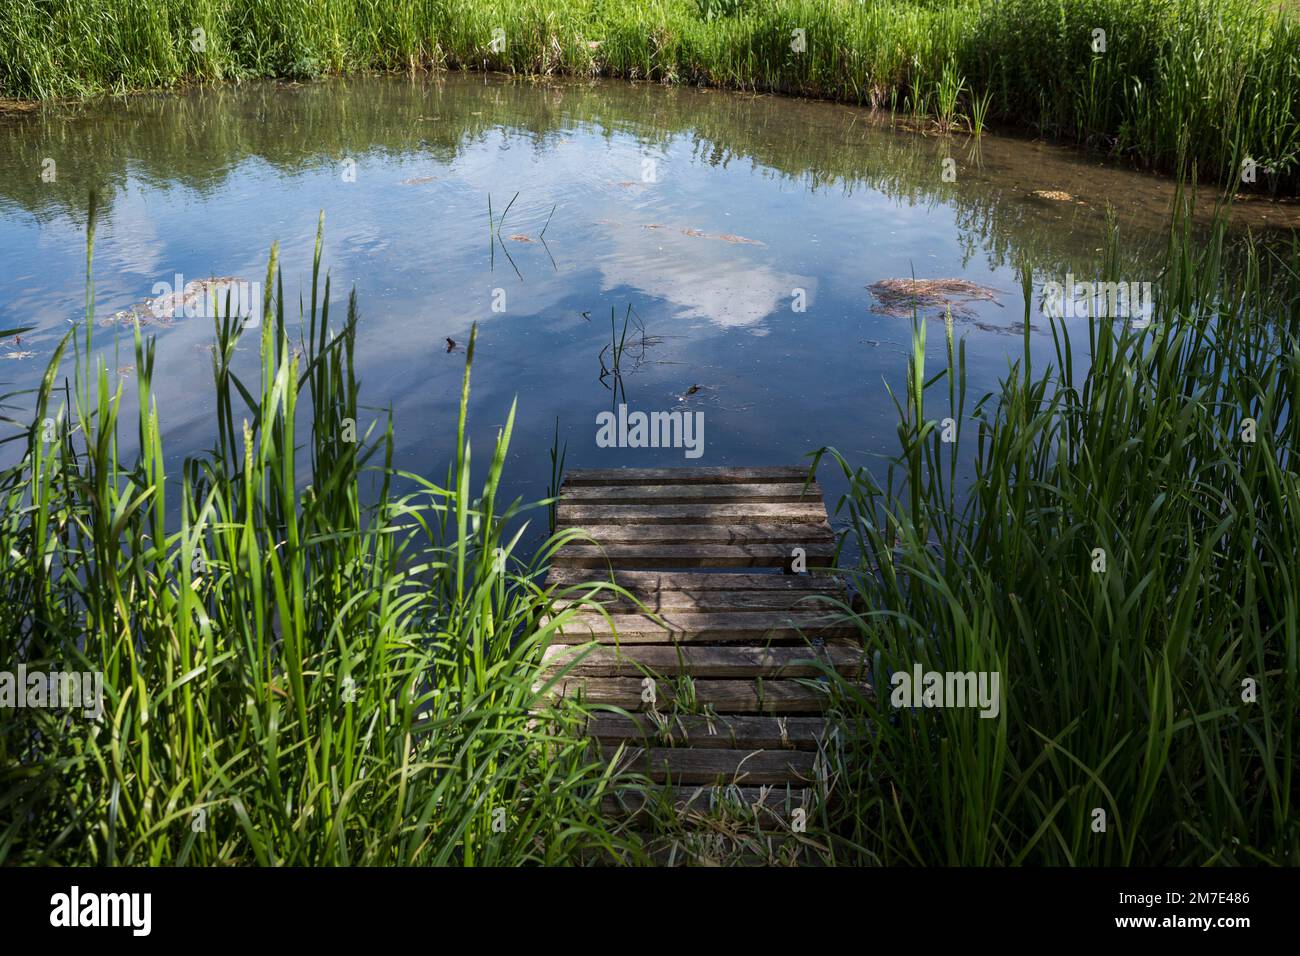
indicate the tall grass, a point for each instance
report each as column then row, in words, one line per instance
column 1126, row 688
column 292, row 675
column 1207, row 81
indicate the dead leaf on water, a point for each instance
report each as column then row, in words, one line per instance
column 519, row 237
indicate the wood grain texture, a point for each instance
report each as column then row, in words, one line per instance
column 792, row 534
column 691, row 494
column 729, row 601
column 724, row 696
column 756, row 626
column 814, row 513
column 707, row 661
column 651, row 555
column 650, row 582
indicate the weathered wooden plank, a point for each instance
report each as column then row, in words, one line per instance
column 779, row 800
column 724, row 696
column 662, row 601
column 649, row 582
column 688, row 765
column 709, row 475
column 653, row 534
column 689, row 555
column 763, row 493
column 727, row 513
column 727, row 731
column 758, row 627
column 707, row 661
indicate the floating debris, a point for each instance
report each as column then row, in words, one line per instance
column 419, row 180
column 519, row 237
column 197, row 295
column 692, row 233
column 451, row 344
column 201, row 297
column 1055, row 195
column 17, row 355
column 724, row 237
column 900, row 297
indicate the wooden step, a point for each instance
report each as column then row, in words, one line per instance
column 726, row 513
column 689, row 765
column 719, row 601
column 652, row 582
column 707, row 661
column 792, row 534
column 742, row 654
column 691, row 494
column 711, row 475
column 653, row 555
column 725, row 731
column 723, row 696
column 754, row 626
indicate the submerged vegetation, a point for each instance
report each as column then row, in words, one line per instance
column 1166, row 83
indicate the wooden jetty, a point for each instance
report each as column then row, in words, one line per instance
column 718, row 656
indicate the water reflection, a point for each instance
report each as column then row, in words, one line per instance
column 743, row 230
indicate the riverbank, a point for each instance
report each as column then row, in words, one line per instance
column 1165, row 84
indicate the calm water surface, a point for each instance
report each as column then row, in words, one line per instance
column 703, row 211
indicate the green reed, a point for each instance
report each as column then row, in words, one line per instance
column 1125, row 686
column 300, row 666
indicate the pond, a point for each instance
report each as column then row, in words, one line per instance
column 742, row 233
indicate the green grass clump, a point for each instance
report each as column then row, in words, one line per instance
column 1213, row 82
column 294, row 673
column 1126, row 688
